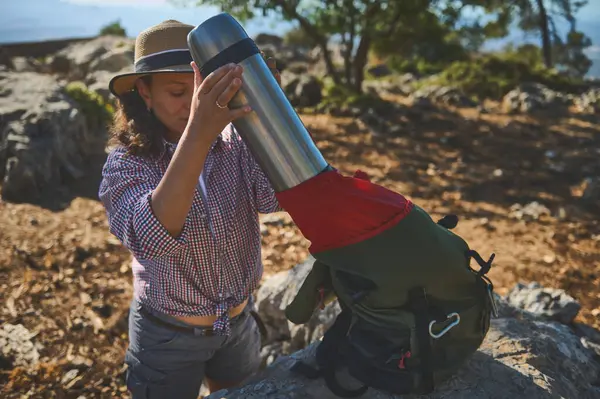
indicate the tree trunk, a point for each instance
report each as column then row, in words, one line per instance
column 360, row 61
column 544, row 30
column 321, row 40
column 348, row 65
column 350, row 43
column 346, row 53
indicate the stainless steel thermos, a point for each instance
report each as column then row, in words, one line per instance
column 273, row 132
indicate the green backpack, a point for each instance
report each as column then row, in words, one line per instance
column 407, row 322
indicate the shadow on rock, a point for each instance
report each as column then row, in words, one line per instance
column 519, row 359
column 524, row 355
column 50, row 150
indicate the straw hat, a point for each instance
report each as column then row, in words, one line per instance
column 161, row 48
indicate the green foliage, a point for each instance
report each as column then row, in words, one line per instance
column 97, row 112
column 340, row 96
column 430, row 54
column 418, row 66
column 358, row 24
column 427, row 36
column 529, row 54
column 113, row 28
column 494, row 75
column 570, row 57
column 540, row 17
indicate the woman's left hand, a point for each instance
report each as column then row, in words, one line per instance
column 273, row 67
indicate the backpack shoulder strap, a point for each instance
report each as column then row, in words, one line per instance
column 417, row 302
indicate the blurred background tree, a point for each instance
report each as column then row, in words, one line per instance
column 423, row 36
column 114, row 28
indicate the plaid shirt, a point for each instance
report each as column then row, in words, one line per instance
column 215, row 263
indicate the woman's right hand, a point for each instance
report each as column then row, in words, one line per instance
column 172, row 199
column 209, row 111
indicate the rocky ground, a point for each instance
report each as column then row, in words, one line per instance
column 525, row 186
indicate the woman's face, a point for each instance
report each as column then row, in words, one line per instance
column 169, row 96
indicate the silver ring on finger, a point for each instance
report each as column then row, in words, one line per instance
column 219, row 105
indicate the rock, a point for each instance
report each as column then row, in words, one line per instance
column 590, row 338
column 289, row 82
column 74, row 61
column 98, row 81
column 545, row 303
column 284, row 55
column 549, row 259
column 273, row 297
column 22, row 64
column 408, row 78
column 442, row 94
column 5, row 59
column 385, row 86
column 588, row 102
column 591, row 192
column 418, row 101
column 520, row 358
column 16, row 346
column 69, row 376
column 44, row 137
column 265, row 39
column 271, row 352
column 336, row 52
column 531, row 97
column 526, row 354
column 591, row 346
column 531, row 211
column 376, row 123
column 303, row 90
column 297, row 68
column 116, row 60
column 379, row 71
column 303, row 335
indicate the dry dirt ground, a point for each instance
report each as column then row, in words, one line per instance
column 68, row 281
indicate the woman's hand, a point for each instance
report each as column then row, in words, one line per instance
column 272, row 66
column 209, row 111
column 209, row 115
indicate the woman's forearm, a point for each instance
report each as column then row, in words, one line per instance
column 172, row 199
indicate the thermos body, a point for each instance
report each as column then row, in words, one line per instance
column 273, row 132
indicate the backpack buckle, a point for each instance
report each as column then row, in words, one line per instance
column 492, row 300
column 448, row 328
column 485, row 266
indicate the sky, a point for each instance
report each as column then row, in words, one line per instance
column 34, row 20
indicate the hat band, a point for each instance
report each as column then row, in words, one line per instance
column 162, row 60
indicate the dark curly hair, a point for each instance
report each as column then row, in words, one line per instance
column 134, row 126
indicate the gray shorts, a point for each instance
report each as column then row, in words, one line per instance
column 167, row 363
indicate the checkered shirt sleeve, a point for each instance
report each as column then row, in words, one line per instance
column 126, row 191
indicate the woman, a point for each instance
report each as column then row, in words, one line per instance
column 182, row 192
